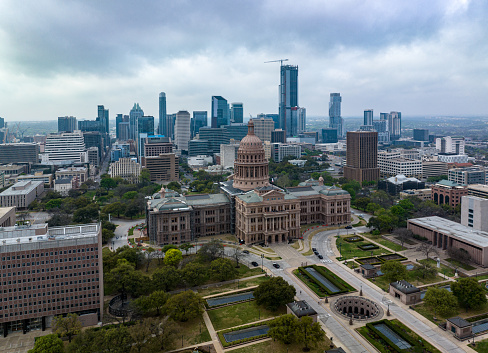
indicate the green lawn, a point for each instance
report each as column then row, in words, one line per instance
column 444, row 269
column 390, row 245
column 420, row 344
column 383, row 283
column 479, row 278
column 240, row 314
column 481, row 346
column 460, row 264
column 193, row 332
column 351, row 250
column 245, row 271
column 429, row 314
column 245, row 283
column 278, row 347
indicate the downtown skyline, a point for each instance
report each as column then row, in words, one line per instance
column 66, row 58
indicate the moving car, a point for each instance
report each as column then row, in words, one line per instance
column 245, row 251
column 320, row 256
column 348, row 227
column 254, row 263
column 275, row 265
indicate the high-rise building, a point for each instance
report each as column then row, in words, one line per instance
column 220, row 112
column 145, row 125
column 263, row 128
column 90, row 125
column 237, row 113
column 335, row 119
column 103, row 118
column 288, row 96
column 362, row 156
column 236, row 131
column 278, row 135
column 19, row 153
column 164, row 167
column 302, row 120
column 94, row 139
column 66, row 124
column 395, row 125
column 473, row 212
column 199, row 120
column 182, row 130
column 368, row 117
column 135, row 113
column 450, row 144
column 215, row 137
column 65, row 147
column 170, row 125
column 122, row 119
column 329, row 135
column 2, row 123
column 162, row 114
column 421, row 134
column 198, row 148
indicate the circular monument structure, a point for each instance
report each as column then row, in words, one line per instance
column 358, row 308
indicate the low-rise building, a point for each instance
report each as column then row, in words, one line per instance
column 467, row 176
column 398, row 183
column 73, row 172
column 7, row 217
column 63, row 185
column 460, row 328
column 448, row 192
column 433, row 169
column 423, row 194
column 126, row 168
column 407, row 293
column 280, row 151
column 300, row 309
column 452, row 158
column 480, row 190
column 163, row 168
column 47, row 179
column 392, row 163
column 50, row 272
column 21, row 194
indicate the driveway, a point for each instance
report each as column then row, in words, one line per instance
column 121, row 232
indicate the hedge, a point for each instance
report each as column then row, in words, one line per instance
column 362, row 262
column 383, row 257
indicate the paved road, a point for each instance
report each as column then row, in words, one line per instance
column 121, row 231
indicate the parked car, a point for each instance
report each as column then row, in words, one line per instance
column 254, row 263
column 275, row 265
column 348, row 227
column 320, row 256
column 245, row 251
column 314, row 249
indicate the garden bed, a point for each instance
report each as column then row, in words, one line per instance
column 392, row 336
column 460, row 264
column 391, row 257
column 372, row 260
column 353, row 238
column 322, row 281
column 368, row 246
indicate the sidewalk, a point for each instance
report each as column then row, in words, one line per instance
column 213, row 334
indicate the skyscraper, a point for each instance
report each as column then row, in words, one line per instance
column 220, row 112
column 302, row 120
column 362, row 156
column 288, row 96
column 368, row 117
column 335, row 119
column 395, row 125
column 182, row 130
column 103, row 118
column 162, row 114
column 135, row 113
column 65, row 123
column 237, row 113
column 199, row 120
column 2, row 123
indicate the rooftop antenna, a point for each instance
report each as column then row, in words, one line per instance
column 275, row 61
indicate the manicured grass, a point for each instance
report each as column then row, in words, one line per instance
column 481, row 346
column 444, row 269
column 296, row 245
column 194, row 332
column 233, row 286
column 390, row 245
column 429, row 314
column 479, row 278
column 245, row 271
column 240, row 314
column 278, row 347
column 384, row 284
column 460, row 264
column 379, row 342
column 351, row 250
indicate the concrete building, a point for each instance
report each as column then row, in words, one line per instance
column 199, row 148
column 407, row 293
column 19, row 153
column 446, row 234
column 126, row 168
column 433, row 169
column 473, row 212
column 279, row 151
column 21, row 194
column 479, row 190
column 228, row 155
column 263, row 128
column 73, row 172
column 423, row 194
column 7, row 217
column 452, row 158
column 68, row 147
column 47, row 179
column 163, row 168
column 448, row 192
column 73, row 285
column 64, row 185
column 467, row 176
column 392, row 163
column 450, row 144
column 93, row 156
column 421, row 134
column 182, row 130
column 66, row 124
column 300, row 309
column 362, row 156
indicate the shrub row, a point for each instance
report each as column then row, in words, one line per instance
column 363, row 261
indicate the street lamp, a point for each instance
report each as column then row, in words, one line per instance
column 262, row 262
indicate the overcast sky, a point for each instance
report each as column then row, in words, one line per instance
column 65, row 57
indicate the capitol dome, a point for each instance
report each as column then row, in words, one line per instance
column 251, row 166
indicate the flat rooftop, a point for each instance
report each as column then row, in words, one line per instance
column 22, row 187
column 457, row 230
column 5, row 210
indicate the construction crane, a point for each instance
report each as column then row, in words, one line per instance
column 275, row 61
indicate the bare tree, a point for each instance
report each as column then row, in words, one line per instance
column 428, row 249
column 237, row 255
column 402, row 234
column 460, row 255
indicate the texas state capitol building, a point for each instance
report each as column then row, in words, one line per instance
column 247, row 205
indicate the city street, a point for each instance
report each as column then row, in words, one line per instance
column 121, row 231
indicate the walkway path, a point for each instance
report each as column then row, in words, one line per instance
column 213, row 334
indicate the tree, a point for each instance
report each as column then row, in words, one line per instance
column 237, row 254
column 166, row 278
column 145, row 176
column 132, row 209
column 403, row 234
column 184, row 306
column 441, row 301
column 274, row 293
column 163, row 335
column 425, row 270
column 195, row 274
column 211, row 250
column 427, row 249
column 309, row 332
column 362, row 203
column 223, row 269
column 394, row 271
column 67, row 326
column 114, row 208
column 168, row 247
column 108, row 183
column 129, row 195
column 86, row 214
column 48, row 344
column 186, row 247
column 460, row 255
column 150, row 254
column 154, row 301
column 107, row 234
column 124, row 279
column 173, row 257
column 284, row 328
column 175, row 186
column 469, row 292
